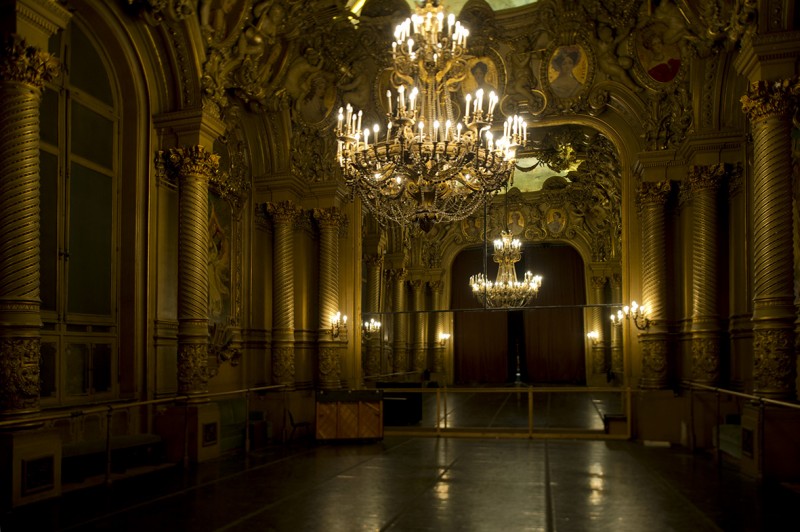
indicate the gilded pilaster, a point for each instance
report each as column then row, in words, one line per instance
column 400, row 332
column 705, row 182
column 437, row 289
column 192, row 167
column 617, row 360
column 283, row 216
column 652, row 199
column 418, row 303
column 23, row 72
column 372, row 364
column 769, row 106
column 598, row 347
column 330, row 348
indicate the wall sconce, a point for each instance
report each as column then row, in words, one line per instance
column 594, row 336
column 368, row 328
column 338, row 322
column 443, row 338
column 635, row 311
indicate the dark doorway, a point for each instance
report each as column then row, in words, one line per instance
column 548, row 335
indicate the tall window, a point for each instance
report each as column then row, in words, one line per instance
column 79, row 224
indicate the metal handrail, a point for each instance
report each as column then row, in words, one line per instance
column 27, row 421
column 441, row 427
column 761, row 402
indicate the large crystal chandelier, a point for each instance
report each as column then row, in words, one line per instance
column 435, row 161
column 506, row 290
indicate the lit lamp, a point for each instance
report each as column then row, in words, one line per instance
column 594, row 336
column 436, row 160
column 368, row 328
column 443, row 338
column 338, row 322
column 635, row 311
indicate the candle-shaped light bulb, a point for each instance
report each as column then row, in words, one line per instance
column 466, row 111
column 435, row 130
column 479, row 99
column 447, row 130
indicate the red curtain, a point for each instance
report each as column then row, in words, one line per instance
column 480, row 348
column 554, row 343
column 551, row 338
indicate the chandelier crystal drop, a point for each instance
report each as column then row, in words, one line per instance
column 506, row 290
column 435, row 160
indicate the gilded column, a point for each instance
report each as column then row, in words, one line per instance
column 653, row 198
column 372, row 364
column 769, row 106
column 437, row 289
column 23, row 72
column 740, row 321
column 617, row 360
column 192, row 167
column 599, row 363
column 704, row 182
column 330, row 347
column 283, row 216
column 400, row 319
column 420, row 317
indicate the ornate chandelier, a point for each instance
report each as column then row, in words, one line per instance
column 506, row 291
column 426, row 166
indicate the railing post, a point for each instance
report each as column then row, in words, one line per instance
column 247, row 421
column 530, row 412
column 108, row 445
column 438, row 412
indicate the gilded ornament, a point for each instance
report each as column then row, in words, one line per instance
column 767, row 99
column 25, row 64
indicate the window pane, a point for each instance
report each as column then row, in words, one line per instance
column 48, row 243
column 48, row 117
column 77, row 369
column 92, row 135
column 47, row 369
column 101, row 368
column 90, row 219
column 87, row 71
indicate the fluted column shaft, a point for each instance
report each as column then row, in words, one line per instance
column 372, row 365
column 192, row 167
column 439, row 320
column 400, row 325
column 23, row 72
column 770, row 105
column 653, row 198
column 418, row 302
column 283, row 360
column 598, row 347
column 330, row 348
column 705, row 182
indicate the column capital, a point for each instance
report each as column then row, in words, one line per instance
column 397, row 274
column 436, row 286
column 653, row 193
column 22, row 63
column 598, row 282
column 284, row 211
column 706, row 177
column 192, row 161
column 329, row 218
column 768, row 99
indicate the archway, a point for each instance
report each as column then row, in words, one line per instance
column 546, row 337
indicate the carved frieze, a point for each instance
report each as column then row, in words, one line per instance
column 774, row 365
column 19, row 374
column 193, row 371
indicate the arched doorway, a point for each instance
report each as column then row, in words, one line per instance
column 546, row 337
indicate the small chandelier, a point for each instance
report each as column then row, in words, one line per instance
column 426, row 167
column 506, row 291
